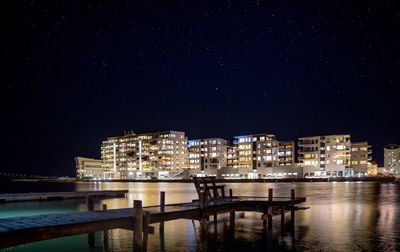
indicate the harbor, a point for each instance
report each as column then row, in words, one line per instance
column 211, row 202
column 334, row 209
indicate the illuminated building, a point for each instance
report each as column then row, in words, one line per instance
column 88, row 168
column 360, row 157
column 286, row 153
column 207, row 154
column 372, row 169
column 158, row 154
column 232, row 159
column 256, row 152
column 325, row 155
column 392, row 158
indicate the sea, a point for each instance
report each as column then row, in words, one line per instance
column 342, row 216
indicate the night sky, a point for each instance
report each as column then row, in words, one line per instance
column 75, row 72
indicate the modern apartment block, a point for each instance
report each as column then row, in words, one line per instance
column 256, row 151
column 89, row 168
column 392, row 158
column 360, row 157
column 158, row 154
column 208, row 153
column 286, row 153
column 232, row 157
column 325, row 155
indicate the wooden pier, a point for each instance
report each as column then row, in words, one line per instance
column 48, row 196
column 211, row 202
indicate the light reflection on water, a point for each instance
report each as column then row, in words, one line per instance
column 343, row 217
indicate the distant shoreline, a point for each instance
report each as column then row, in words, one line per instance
column 284, row 180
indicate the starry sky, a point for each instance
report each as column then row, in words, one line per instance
column 75, row 72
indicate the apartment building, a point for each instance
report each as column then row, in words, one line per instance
column 256, row 151
column 157, row 154
column 232, row 157
column 286, row 153
column 392, row 158
column 89, row 168
column 325, row 155
column 208, row 153
column 360, row 158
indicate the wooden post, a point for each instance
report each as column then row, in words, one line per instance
column 203, row 213
column 90, row 207
column 270, row 197
column 201, row 203
column 105, row 232
column 204, row 203
column 264, row 219
column 162, row 201
column 90, row 202
column 231, row 213
column 292, row 211
column 146, row 221
column 162, row 209
column 270, row 194
column 270, row 218
column 137, row 225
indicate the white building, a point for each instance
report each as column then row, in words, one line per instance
column 207, row 154
column 157, row 154
column 89, row 168
column 360, row 158
column 256, row 152
column 325, row 155
column 286, row 153
column 392, row 158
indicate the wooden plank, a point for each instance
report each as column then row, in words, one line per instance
column 16, row 197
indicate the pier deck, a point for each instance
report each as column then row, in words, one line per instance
column 19, row 230
column 46, row 196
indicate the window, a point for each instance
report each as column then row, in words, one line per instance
column 340, row 147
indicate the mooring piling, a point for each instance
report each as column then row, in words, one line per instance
column 292, row 210
column 137, row 225
column 90, row 207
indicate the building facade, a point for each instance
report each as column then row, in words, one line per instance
column 286, row 153
column 360, row 158
column 89, row 168
column 232, row 157
column 207, row 154
column 392, row 158
column 158, row 154
column 325, row 155
column 256, row 151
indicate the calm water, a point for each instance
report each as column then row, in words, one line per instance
column 349, row 216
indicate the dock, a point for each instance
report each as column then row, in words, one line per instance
column 211, row 202
column 48, row 196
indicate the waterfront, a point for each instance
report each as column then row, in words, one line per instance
column 356, row 216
